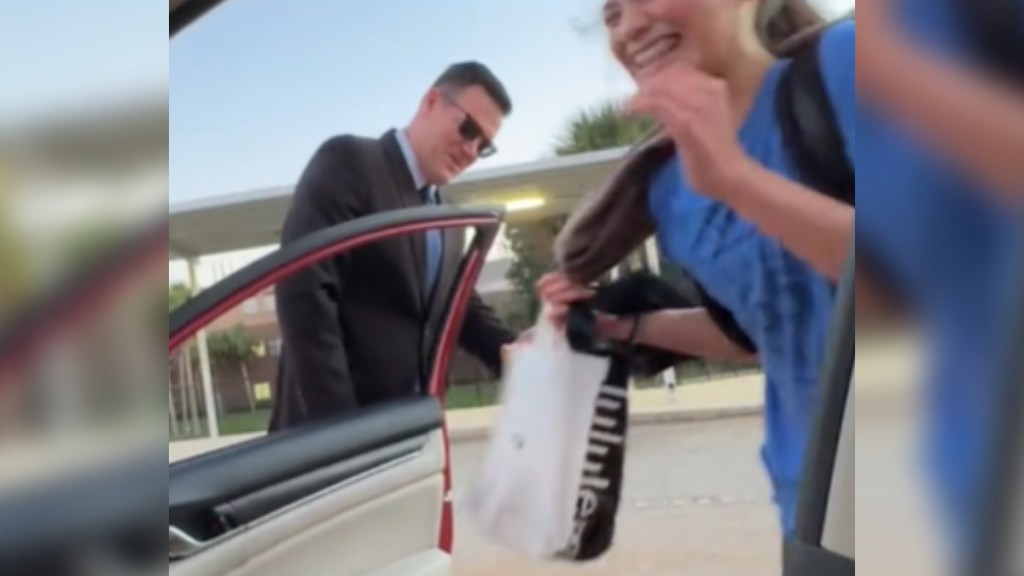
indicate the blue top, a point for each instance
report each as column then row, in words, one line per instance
column 947, row 245
column 781, row 302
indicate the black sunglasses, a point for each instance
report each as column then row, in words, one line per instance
column 470, row 130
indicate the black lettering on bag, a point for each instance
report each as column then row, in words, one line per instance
column 601, row 481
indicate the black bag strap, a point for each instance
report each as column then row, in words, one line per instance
column 810, row 129
column 720, row 315
column 632, row 296
column 725, row 321
column 811, row 135
column 814, row 141
column 995, row 29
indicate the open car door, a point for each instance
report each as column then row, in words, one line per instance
column 823, row 543
column 365, row 494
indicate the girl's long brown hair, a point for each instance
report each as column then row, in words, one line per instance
column 785, row 25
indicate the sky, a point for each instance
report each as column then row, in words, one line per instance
column 256, row 85
column 94, row 53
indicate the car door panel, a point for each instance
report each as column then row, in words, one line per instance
column 217, row 492
column 252, row 507
column 382, row 517
column 363, row 494
column 66, row 523
column 433, row 563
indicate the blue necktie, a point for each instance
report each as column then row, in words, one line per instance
column 434, row 247
column 433, row 254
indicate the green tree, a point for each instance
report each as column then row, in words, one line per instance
column 531, row 243
column 235, row 346
column 177, row 294
column 16, row 254
column 602, row 127
column 89, row 242
column 598, row 128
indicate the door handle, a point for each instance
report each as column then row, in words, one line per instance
column 181, row 545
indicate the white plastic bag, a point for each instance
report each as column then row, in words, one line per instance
column 528, row 494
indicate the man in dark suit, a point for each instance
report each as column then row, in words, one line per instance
column 356, row 328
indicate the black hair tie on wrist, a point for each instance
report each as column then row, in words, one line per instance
column 637, row 295
column 631, row 341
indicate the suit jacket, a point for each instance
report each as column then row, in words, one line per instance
column 357, row 329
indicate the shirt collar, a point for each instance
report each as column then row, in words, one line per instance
column 410, row 159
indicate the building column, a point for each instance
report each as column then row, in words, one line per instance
column 172, row 411
column 62, row 390
column 206, row 374
column 653, row 258
column 668, row 377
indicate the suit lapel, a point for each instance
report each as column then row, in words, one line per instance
column 408, row 197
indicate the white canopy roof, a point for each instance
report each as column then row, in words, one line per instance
column 253, row 219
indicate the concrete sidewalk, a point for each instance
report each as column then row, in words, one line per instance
column 720, row 398
column 886, row 370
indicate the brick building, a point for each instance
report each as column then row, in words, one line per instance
column 257, row 317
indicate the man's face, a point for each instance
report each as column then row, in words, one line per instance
column 462, row 126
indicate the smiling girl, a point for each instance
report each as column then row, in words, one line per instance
column 723, row 206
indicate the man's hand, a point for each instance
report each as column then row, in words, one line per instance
column 525, row 338
column 509, row 350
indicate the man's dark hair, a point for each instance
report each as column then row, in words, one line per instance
column 464, row 75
